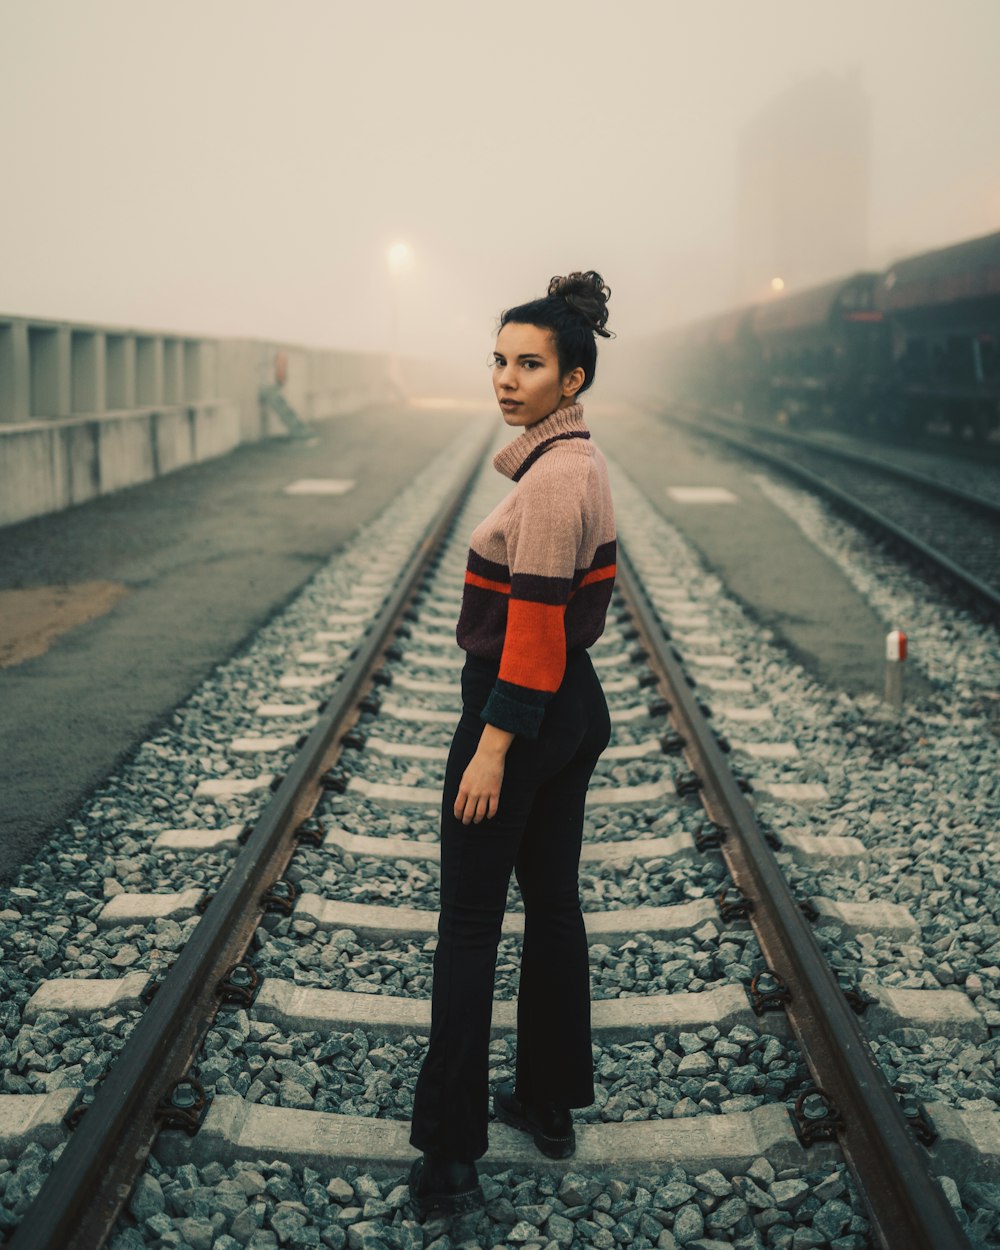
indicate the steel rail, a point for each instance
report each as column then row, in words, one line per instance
column 81, row 1198
column 969, row 499
column 909, row 1210
column 986, row 596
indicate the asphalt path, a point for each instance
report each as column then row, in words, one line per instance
column 174, row 575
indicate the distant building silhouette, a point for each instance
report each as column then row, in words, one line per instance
column 803, row 187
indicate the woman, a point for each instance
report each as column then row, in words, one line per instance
column 534, row 721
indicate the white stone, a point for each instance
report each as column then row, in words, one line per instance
column 320, row 486
column 701, row 494
column 27, row 1118
column 405, row 750
column 633, row 750
column 74, row 997
column 198, row 839
column 619, row 685
column 421, row 715
column 256, row 746
column 888, row 919
column 299, row 681
column 711, row 661
column 142, row 908
column 323, row 658
column 767, row 750
column 421, row 660
column 614, row 659
column 748, row 715
column 423, row 685
column 732, row 685
column 807, row 848
column 284, row 711
column 793, row 791
column 433, row 637
column 225, row 787
column 343, row 619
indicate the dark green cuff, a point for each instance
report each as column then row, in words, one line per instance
column 514, row 715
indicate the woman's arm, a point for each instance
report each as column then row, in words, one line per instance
column 479, row 790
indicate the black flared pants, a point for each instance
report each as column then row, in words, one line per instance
column 537, row 833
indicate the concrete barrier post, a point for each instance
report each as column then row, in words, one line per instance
column 199, row 370
column 88, row 385
column 148, row 371
column 49, row 366
column 173, row 372
column 120, row 371
column 15, row 385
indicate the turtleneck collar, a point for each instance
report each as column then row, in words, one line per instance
column 516, row 458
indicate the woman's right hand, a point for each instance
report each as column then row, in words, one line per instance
column 479, row 790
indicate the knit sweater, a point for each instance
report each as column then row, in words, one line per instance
column 540, row 568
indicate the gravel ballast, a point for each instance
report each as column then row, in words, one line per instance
column 919, row 790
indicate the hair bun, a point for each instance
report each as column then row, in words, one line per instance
column 587, row 294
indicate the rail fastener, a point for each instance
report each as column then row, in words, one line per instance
column 858, row 999
column 280, row 897
column 733, row 904
column 710, row 839
column 687, row 783
column 310, row 833
column 816, row 1116
column 769, row 992
column 241, row 984
column 185, row 1107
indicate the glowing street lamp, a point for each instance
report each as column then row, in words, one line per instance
column 399, row 258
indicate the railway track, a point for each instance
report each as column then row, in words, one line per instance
column 320, row 924
column 951, row 530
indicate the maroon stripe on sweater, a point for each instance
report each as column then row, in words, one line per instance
column 604, row 557
column 540, row 589
column 586, row 614
column 558, row 438
column 489, row 569
column 482, row 622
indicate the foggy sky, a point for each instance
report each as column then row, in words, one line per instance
column 240, row 167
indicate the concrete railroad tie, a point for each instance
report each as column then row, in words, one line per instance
column 968, row 1142
column 380, row 922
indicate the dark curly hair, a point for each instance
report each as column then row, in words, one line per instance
column 575, row 309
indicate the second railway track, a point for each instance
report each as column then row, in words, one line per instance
column 953, row 531
column 688, row 1073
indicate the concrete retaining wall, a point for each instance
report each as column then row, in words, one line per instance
column 86, row 410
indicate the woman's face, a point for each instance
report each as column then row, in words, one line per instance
column 526, row 375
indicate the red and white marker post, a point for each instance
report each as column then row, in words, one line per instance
column 895, row 656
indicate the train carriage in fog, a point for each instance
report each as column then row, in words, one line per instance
column 716, row 361
column 943, row 312
column 915, row 349
column 824, row 351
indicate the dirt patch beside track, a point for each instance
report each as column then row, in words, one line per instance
column 32, row 618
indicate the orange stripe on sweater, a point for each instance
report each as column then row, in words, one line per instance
column 473, row 579
column 598, row 575
column 534, row 648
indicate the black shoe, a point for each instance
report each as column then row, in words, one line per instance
column 551, row 1127
column 444, row 1186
